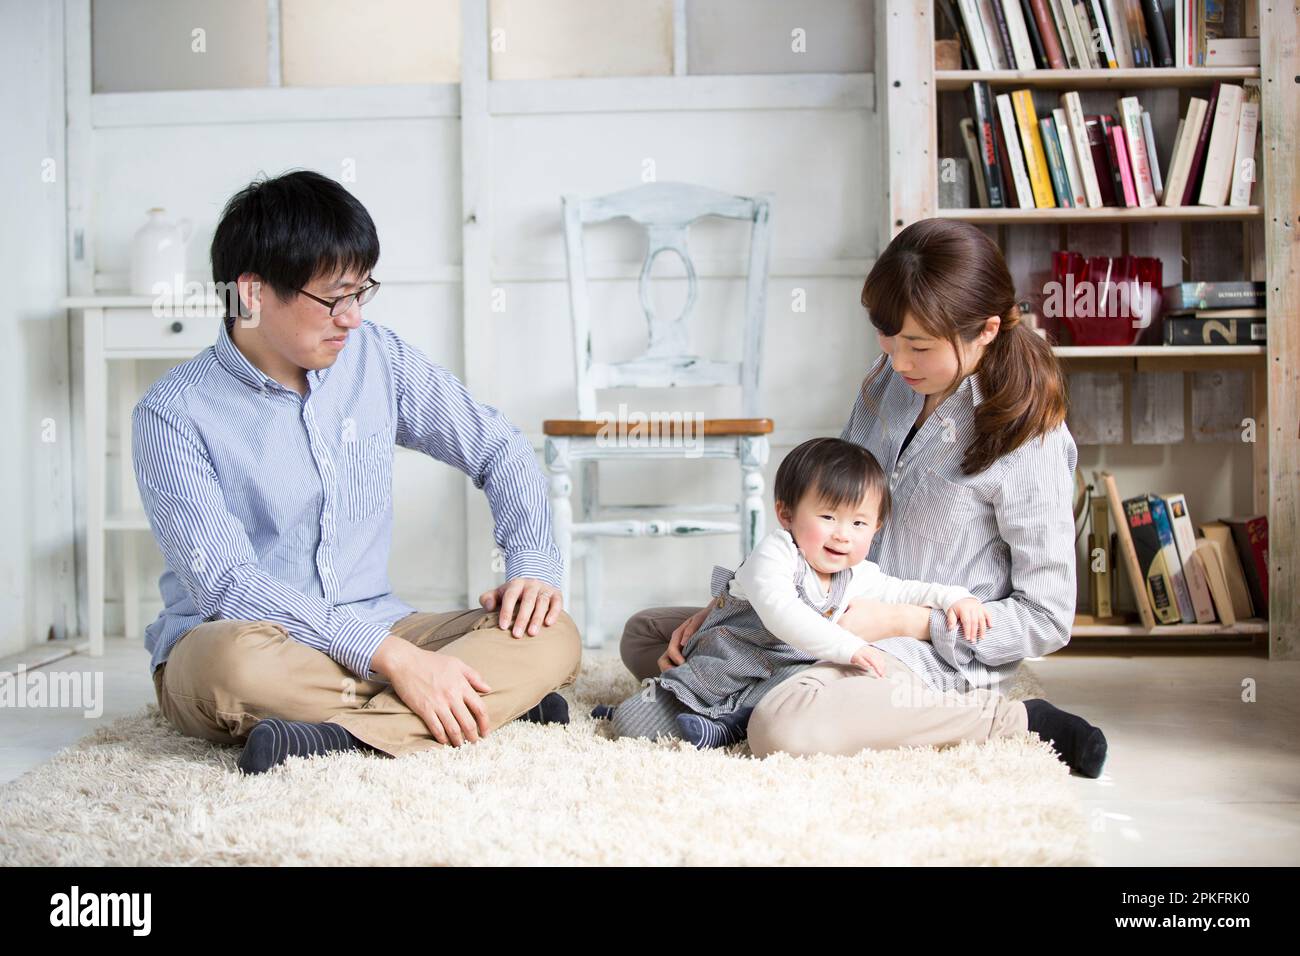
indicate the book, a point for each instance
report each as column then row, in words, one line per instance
column 1004, row 154
column 1198, row 154
column 1057, row 9
column 1035, row 37
column 1181, row 162
column 1193, row 570
column 1015, row 157
column 982, row 113
column 1099, row 139
column 1243, row 164
column 1155, row 24
column 1078, row 37
column 1119, row 33
column 1259, row 315
column 967, row 127
column 991, row 18
column 970, row 18
column 1130, row 114
column 1217, row 178
column 1055, row 163
column 1035, row 159
column 1221, row 534
column 1119, row 154
column 1101, row 34
column 1251, row 537
column 1149, row 138
column 1088, row 41
column 1174, row 565
column 958, row 27
column 1100, row 564
column 1154, row 574
column 1213, row 331
column 1128, row 553
column 1210, row 554
column 1047, row 30
column 1137, row 29
column 1215, row 295
column 1066, row 140
column 1021, row 49
column 1082, row 150
column 1232, row 51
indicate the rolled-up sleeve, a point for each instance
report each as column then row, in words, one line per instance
column 208, row 550
column 1035, row 520
column 437, row 415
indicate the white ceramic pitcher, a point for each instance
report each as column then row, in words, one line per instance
column 158, row 255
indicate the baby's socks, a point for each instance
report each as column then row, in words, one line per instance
column 708, row 732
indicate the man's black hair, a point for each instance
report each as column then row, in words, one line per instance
column 290, row 229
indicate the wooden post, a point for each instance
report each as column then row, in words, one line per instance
column 1280, row 86
column 905, row 61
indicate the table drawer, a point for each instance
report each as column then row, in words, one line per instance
column 141, row 329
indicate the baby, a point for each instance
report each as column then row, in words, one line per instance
column 777, row 613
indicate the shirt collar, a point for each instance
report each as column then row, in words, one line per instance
column 238, row 365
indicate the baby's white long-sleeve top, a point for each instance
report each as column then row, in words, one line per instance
column 766, row 581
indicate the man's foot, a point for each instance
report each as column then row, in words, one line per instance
column 604, row 711
column 552, row 709
column 709, row 732
column 274, row 740
column 1077, row 742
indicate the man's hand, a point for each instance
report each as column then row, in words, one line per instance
column 443, row 690
column 673, row 656
column 537, row 603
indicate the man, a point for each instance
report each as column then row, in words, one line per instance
column 265, row 467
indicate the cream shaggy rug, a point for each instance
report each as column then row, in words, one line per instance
column 136, row 792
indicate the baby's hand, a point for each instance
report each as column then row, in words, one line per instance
column 869, row 660
column 973, row 616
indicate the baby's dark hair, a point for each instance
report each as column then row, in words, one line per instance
column 841, row 472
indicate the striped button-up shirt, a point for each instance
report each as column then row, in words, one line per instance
column 272, row 506
column 1006, row 534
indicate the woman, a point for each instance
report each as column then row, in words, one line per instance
column 966, row 411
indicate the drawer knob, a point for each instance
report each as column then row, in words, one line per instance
column 178, row 326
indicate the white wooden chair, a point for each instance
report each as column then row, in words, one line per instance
column 666, row 212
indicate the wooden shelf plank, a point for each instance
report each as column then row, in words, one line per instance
column 1094, row 79
column 1174, row 352
column 1253, row 625
column 1104, row 214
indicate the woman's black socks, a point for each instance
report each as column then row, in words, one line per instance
column 1079, row 743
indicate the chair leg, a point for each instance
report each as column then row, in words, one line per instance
column 753, row 455
column 592, row 634
column 561, row 487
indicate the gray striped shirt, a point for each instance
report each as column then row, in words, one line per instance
column 272, row 506
column 1006, row 534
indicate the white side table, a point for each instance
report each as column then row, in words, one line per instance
column 125, row 327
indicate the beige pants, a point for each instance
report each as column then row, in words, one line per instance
column 222, row 677
column 836, row 709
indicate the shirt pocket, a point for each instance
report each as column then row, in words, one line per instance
column 938, row 509
column 367, row 475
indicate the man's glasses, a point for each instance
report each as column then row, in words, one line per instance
column 344, row 302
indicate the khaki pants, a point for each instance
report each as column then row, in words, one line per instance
column 222, row 677
column 836, row 709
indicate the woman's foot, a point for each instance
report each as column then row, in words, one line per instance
column 552, row 709
column 1077, row 742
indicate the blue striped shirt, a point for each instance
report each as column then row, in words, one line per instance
column 1006, row 534
column 272, row 506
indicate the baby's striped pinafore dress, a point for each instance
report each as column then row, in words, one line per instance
column 732, row 661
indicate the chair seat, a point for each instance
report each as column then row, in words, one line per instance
column 590, row 428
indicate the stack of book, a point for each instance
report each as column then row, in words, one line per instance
column 1215, row 313
column 1103, row 34
column 1073, row 160
column 1179, row 572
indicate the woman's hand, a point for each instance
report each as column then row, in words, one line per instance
column 673, row 656
column 869, row 659
column 876, row 620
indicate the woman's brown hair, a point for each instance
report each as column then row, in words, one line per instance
column 951, row 277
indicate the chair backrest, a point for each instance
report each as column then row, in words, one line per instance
column 666, row 212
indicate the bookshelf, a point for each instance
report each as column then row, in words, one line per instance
column 1263, row 236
